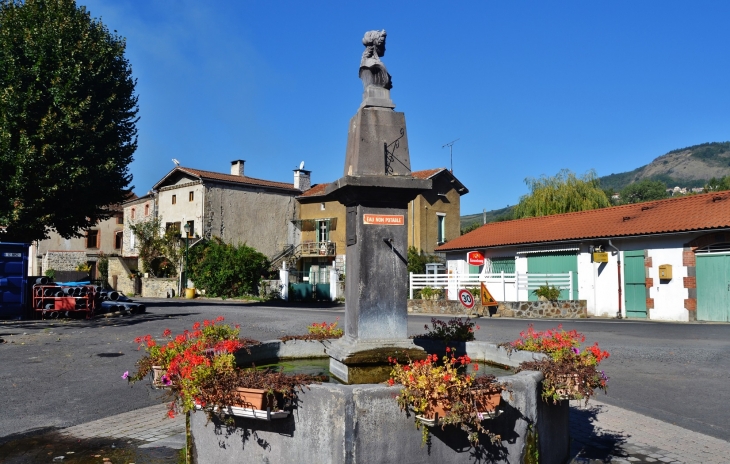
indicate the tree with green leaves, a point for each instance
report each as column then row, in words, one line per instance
column 716, row 185
column 68, row 114
column 469, row 227
column 226, row 270
column 644, row 190
column 562, row 193
column 417, row 260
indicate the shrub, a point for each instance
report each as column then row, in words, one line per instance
column 456, row 330
column 226, row 270
column 549, row 292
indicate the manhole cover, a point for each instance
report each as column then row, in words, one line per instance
column 109, row 355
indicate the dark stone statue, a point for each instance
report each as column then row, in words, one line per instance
column 372, row 70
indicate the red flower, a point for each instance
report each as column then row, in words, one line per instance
column 171, row 414
column 196, row 326
column 219, row 318
column 167, row 333
column 448, row 350
column 391, row 382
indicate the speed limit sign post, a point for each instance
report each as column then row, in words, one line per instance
column 466, row 298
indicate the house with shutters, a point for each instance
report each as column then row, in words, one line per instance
column 433, row 219
column 660, row 260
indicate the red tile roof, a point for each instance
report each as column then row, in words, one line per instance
column 233, row 178
column 696, row 212
column 315, row 191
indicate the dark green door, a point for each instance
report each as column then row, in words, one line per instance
column 555, row 263
column 635, row 282
column 713, row 287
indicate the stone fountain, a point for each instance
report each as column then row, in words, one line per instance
column 375, row 189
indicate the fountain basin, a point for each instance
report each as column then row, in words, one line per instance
column 335, row 423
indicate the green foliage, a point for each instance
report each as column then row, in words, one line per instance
column 428, row 293
column 562, row 193
column 494, row 215
column 707, row 151
column 68, row 117
column 716, row 185
column 51, row 273
column 226, row 270
column 644, row 190
column 417, row 260
column 549, row 292
column 470, row 227
column 102, row 264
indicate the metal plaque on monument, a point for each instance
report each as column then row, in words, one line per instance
column 375, row 189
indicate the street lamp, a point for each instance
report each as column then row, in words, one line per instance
column 185, row 266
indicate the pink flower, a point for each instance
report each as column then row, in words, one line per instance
column 125, row 375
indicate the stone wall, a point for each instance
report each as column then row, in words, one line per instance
column 119, row 272
column 525, row 309
column 63, row 260
column 158, row 287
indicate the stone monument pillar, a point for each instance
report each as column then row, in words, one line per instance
column 376, row 188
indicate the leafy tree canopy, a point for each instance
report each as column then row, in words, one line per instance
column 644, row 190
column 562, row 193
column 417, row 260
column 68, row 117
column 716, row 185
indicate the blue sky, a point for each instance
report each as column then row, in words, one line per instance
column 528, row 88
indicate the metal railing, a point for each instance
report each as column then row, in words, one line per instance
column 501, row 285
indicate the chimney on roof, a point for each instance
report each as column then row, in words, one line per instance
column 302, row 179
column 237, row 167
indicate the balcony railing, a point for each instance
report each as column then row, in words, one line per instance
column 318, row 249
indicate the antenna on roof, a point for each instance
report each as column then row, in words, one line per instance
column 177, row 163
column 451, row 152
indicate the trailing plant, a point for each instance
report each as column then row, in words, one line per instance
column 318, row 331
column 455, row 330
column 549, row 292
column 570, row 373
column 428, row 383
column 102, row 264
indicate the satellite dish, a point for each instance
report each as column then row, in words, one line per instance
column 177, row 163
column 301, row 165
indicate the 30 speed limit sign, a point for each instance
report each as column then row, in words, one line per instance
column 466, row 298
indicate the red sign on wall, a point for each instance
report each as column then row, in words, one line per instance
column 475, row 258
column 383, row 219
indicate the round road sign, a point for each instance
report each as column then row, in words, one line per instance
column 466, row 298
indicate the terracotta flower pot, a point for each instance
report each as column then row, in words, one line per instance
column 435, row 406
column 487, row 400
column 254, row 398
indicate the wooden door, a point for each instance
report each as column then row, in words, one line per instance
column 635, row 283
column 713, row 287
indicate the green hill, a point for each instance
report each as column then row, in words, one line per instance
column 685, row 167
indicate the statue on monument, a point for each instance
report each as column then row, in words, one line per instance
column 372, row 70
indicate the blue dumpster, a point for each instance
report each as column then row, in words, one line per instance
column 13, row 279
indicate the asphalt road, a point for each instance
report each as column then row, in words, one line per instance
column 63, row 373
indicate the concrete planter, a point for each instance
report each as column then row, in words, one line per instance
column 334, row 423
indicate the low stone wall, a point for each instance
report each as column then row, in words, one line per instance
column 63, row 260
column 119, row 274
column 569, row 309
column 158, row 287
column 525, row 309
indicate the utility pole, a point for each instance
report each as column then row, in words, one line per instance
column 451, row 152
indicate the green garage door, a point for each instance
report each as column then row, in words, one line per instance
column 635, row 283
column 713, row 287
column 555, row 263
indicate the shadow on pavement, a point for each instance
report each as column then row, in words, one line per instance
column 588, row 443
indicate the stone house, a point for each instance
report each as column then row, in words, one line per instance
column 433, row 219
column 661, row 260
column 63, row 254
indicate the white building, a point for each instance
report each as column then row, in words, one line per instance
column 664, row 260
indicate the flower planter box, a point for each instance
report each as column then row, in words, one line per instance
column 250, row 413
column 487, row 401
column 436, row 409
column 254, row 398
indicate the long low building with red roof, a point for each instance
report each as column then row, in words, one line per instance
column 674, row 257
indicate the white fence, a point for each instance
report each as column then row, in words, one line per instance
column 503, row 286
